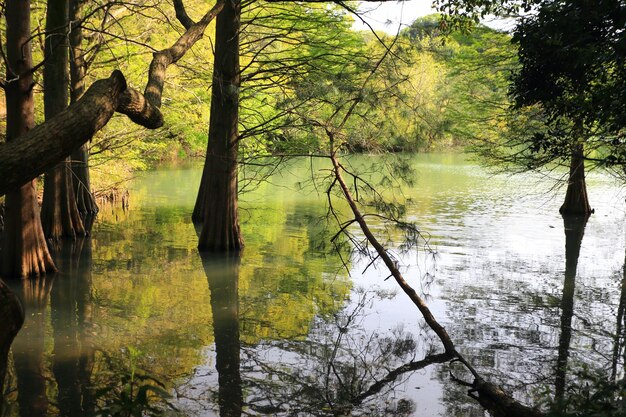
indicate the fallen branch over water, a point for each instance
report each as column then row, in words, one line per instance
column 489, row 395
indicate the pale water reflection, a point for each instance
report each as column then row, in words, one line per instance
column 285, row 330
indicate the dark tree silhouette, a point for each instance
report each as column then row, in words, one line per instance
column 24, row 250
column 59, row 213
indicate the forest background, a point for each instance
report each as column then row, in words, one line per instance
column 302, row 65
column 444, row 91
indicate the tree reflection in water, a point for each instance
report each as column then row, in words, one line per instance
column 574, row 230
column 11, row 321
column 340, row 368
column 70, row 300
column 70, row 364
column 29, row 346
column 546, row 342
column 222, row 273
column 619, row 339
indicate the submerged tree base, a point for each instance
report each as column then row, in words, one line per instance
column 576, row 198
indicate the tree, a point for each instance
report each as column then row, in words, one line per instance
column 43, row 146
column 571, row 68
column 80, row 157
column 24, row 250
column 569, row 90
column 59, row 212
column 216, row 205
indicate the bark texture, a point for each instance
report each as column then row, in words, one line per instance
column 50, row 142
column 45, row 145
column 59, row 213
column 24, row 250
column 216, row 204
column 162, row 59
column 80, row 157
column 576, row 199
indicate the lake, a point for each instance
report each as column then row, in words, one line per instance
column 293, row 327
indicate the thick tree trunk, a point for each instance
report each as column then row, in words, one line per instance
column 24, row 250
column 576, row 199
column 80, row 158
column 59, row 212
column 216, row 204
column 223, row 276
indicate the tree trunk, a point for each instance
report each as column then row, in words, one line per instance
column 216, row 205
column 49, row 143
column 576, row 199
column 80, row 158
column 24, row 250
column 59, row 212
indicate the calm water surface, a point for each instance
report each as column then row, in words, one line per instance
column 291, row 328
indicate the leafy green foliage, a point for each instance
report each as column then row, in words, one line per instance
column 300, row 61
column 571, row 67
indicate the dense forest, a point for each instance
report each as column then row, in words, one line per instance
column 442, row 90
column 97, row 93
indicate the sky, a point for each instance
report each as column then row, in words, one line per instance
column 387, row 16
